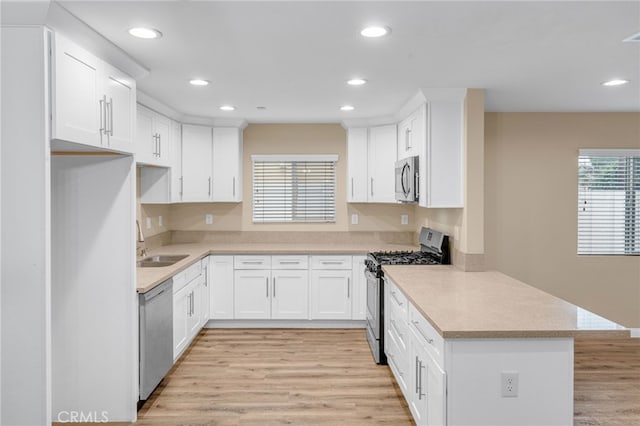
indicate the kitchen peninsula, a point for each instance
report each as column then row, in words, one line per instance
column 483, row 348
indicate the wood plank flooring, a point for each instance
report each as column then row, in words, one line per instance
column 327, row 377
column 277, row 377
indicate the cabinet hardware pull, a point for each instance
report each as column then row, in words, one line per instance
column 111, row 116
column 251, row 262
column 267, row 286
column 331, row 262
column 159, row 145
column 428, row 339
column 348, row 287
column 290, row 262
column 101, row 102
column 417, row 374
column 372, row 187
column 420, row 394
column 209, row 185
column 393, row 293
column 274, row 287
column 181, row 185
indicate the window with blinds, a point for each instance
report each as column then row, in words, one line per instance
column 294, row 188
column 609, row 202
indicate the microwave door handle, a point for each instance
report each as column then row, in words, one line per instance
column 404, row 178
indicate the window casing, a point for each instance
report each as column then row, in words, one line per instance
column 609, row 202
column 294, row 188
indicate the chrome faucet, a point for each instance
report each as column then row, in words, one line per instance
column 140, row 245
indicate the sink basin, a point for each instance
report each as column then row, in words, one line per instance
column 160, row 260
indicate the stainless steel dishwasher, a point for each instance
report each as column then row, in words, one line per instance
column 156, row 336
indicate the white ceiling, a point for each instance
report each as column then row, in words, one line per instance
column 294, row 57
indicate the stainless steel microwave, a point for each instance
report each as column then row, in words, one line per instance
column 407, row 180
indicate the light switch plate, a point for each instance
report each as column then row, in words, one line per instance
column 208, row 219
column 404, row 219
column 354, row 219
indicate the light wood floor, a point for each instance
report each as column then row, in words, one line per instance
column 327, row 377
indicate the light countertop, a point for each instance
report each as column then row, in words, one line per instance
column 493, row 305
column 148, row 278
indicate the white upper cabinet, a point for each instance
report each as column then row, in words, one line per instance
column 197, row 162
column 357, row 141
column 93, row 102
column 412, row 133
column 381, row 164
column 153, row 138
column 371, row 156
column 227, row 164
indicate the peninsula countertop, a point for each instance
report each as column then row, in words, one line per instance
column 493, row 305
column 148, row 278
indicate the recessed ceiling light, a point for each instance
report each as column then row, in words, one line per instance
column 634, row 38
column 261, row 107
column 147, row 33
column 356, row 82
column 199, row 82
column 347, row 108
column 227, row 108
column 375, row 31
column 615, row 82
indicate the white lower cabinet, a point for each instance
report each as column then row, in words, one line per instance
column 221, row 287
column 189, row 287
column 427, row 387
column 290, row 294
column 331, row 287
column 359, row 289
column 251, row 294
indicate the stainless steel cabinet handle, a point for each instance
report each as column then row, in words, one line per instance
column 267, row 286
column 393, row 294
column 274, row 287
column 331, row 262
column 428, row 339
column 159, row 145
column 417, row 375
column 289, row 262
column 209, row 185
column 407, row 139
column 348, row 287
column 111, row 116
column 372, row 187
column 101, row 102
column 181, row 185
column 420, row 394
column 251, row 262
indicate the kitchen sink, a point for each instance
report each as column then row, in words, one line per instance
column 160, row 260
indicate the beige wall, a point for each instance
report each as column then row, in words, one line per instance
column 152, row 211
column 292, row 139
column 530, row 207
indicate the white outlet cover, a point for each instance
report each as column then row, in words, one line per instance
column 509, row 384
column 208, row 219
column 404, row 219
column 354, row 219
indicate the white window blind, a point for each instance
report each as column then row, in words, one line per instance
column 609, row 202
column 294, row 188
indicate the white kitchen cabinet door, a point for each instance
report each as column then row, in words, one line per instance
column 153, row 138
column 120, row 95
column 252, row 294
column 195, row 309
column 290, row 294
column 205, row 293
column 93, row 102
column 181, row 310
column 359, row 289
column 427, row 387
column 381, row 164
column 331, row 294
column 221, row 287
column 78, row 103
column 196, row 163
column 357, row 177
column 227, row 164
column 411, row 134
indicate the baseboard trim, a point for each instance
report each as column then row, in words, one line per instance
column 285, row 324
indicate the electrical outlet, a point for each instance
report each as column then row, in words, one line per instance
column 509, row 382
column 148, row 223
column 354, row 219
column 404, row 219
column 208, row 219
column 159, row 220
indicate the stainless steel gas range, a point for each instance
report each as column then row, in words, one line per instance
column 434, row 250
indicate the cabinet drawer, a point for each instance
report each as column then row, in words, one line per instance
column 398, row 362
column 252, row 262
column 397, row 300
column 331, row 262
column 184, row 277
column 400, row 330
column 290, row 262
column 424, row 331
